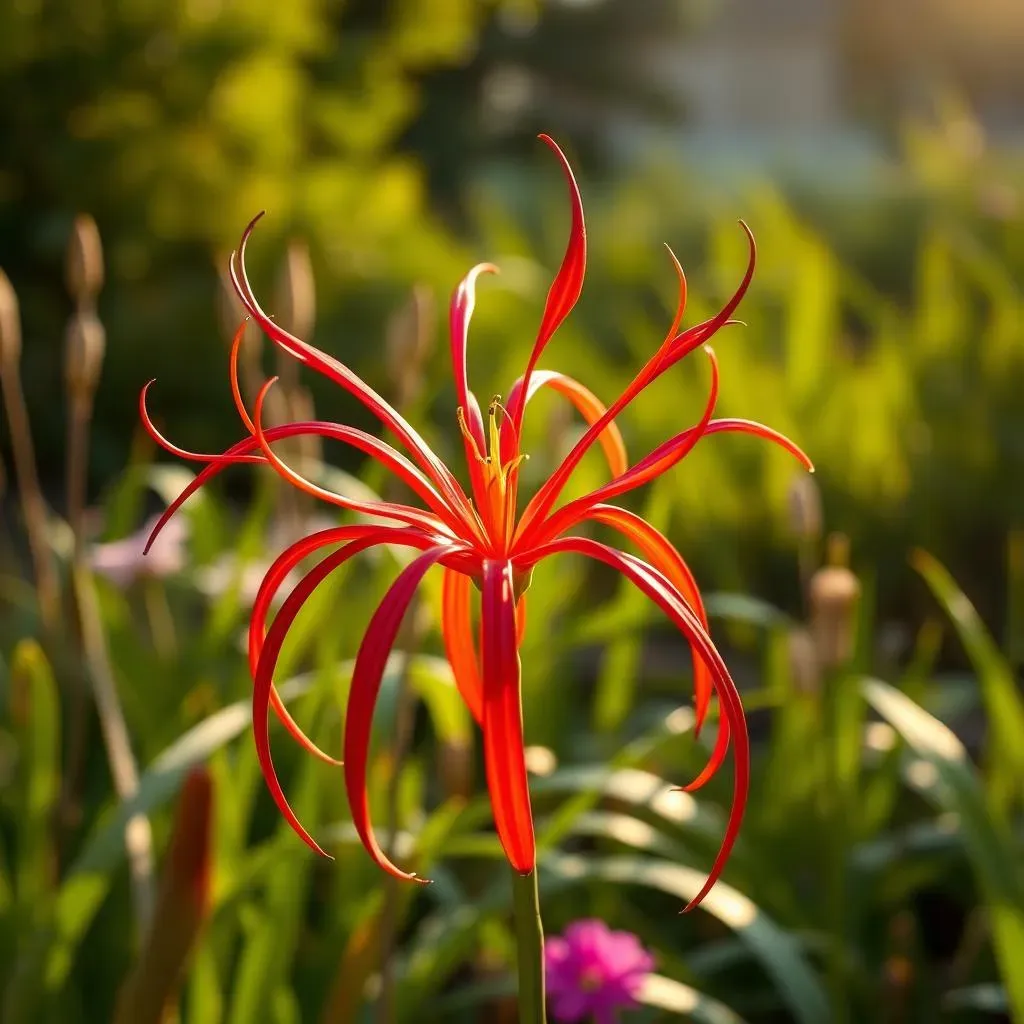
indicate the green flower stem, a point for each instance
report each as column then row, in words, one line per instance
column 530, row 948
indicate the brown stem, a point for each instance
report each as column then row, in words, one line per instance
column 77, row 464
column 32, row 503
column 138, row 836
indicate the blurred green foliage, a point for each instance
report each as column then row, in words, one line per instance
column 884, row 325
column 878, row 875
column 878, row 871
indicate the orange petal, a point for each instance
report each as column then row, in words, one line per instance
column 503, row 719
column 457, row 631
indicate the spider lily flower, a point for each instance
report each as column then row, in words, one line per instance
column 482, row 541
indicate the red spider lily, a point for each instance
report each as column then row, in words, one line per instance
column 478, row 538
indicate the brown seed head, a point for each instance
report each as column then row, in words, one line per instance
column 834, row 593
column 84, row 260
column 84, row 344
column 10, row 325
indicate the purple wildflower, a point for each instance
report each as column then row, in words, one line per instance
column 593, row 972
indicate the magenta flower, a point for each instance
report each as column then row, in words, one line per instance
column 593, row 972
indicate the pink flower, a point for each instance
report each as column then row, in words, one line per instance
column 593, row 972
column 126, row 560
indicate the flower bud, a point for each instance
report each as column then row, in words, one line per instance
column 834, row 592
column 10, row 325
column 84, row 344
column 84, row 260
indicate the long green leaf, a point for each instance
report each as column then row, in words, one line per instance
column 1003, row 700
column 990, row 846
column 35, row 709
column 684, row 1001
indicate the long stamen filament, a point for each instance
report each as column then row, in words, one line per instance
column 474, row 447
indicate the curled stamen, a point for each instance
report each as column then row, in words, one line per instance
column 470, row 437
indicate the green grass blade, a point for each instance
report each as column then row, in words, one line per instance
column 35, row 708
column 989, row 844
column 684, row 1001
column 1003, row 702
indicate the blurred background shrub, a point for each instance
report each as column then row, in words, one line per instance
column 876, row 151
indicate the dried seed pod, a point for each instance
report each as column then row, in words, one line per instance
column 309, row 447
column 84, row 260
column 10, row 324
column 84, row 344
column 230, row 311
column 457, row 768
column 276, row 408
column 295, row 299
column 408, row 342
column 834, row 593
column 804, row 667
column 804, row 499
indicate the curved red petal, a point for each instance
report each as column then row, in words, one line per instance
column 636, row 476
column 662, row 554
column 236, row 391
column 275, row 578
column 403, row 513
column 670, row 452
column 460, row 312
column 671, row 351
column 264, row 675
column 366, row 680
column 503, row 719
column 658, row 588
column 568, row 283
column 341, row 375
column 715, row 761
column 586, row 403
column 367, row 443
column 169, row 446
column 271, row 650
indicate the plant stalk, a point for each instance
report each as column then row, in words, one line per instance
column 529, row 947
